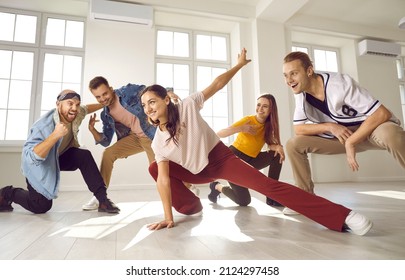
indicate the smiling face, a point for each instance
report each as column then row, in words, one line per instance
column 296, row 77
column 104, row 95
column 262, row 109
column 155, row 107
column 68, row 110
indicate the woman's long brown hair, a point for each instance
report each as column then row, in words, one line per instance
column 172, row 112
column 271, row 125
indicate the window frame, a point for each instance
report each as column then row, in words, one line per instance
column 40, row 49
column 193, row 62
column 311, row 53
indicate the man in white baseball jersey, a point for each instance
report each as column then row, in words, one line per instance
column 334, row 115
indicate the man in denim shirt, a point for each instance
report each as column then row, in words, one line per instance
column 123, row 115
column 51, row 147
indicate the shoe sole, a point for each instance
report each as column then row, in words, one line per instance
column 364, row 231
column 89, row 208
column 109, row 212
column 289, row 213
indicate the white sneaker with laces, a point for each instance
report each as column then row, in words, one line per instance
column 357, row 223
column 289, row 212
column 92, row 204
column 195, row 190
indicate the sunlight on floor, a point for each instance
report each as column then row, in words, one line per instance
column 102, row 226
column 219, row 220
column 388, row 194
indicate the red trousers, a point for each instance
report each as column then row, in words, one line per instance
column 223, row 164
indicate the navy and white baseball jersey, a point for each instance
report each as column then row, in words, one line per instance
column 346, row 103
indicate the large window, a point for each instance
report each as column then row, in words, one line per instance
column 189, row 61
column 324, row 59
column 33, row 71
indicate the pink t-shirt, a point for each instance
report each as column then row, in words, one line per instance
column 120, row 114
column 196, row 139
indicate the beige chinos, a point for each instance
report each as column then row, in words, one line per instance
column 123, row 148
column 387, row 136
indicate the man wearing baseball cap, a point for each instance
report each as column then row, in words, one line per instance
column 51, row 147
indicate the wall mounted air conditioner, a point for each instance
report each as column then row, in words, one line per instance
column 373, row 47
column 121, row 12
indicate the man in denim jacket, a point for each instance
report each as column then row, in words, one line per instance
column 123, row 115
column 51, row 147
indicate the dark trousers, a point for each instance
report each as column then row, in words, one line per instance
column 241, row 195
column 71, row 160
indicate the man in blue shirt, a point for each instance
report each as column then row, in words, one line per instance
column 51, row 147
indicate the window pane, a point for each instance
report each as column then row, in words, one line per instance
column 331, row 60
column 181, row 44
column 49, row 93
column 164, row 74
column 23, row 63
column 74, row 34
column 5, row 65
column 3, row 93
column 164, row 43
column 25, row 29
column 219, row 123
column 203, row 47
column 400, row 69
column 17, row 125
column 325, row 60
column 219, row 48
column 204, row 77
column 7, row 26
column 172, row 44
column 220, row 103
column 75, row 87
column 20, row 95
column 53, row 67
column 181, row 79
column 72, row 69
column 299, row 49
column 55, row 32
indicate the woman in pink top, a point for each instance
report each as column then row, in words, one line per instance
column 187, row 149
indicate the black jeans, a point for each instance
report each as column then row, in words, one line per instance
column 71, row 160
column 241, row 195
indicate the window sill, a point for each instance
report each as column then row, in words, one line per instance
column 13, row 147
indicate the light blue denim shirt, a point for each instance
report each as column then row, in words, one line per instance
column 129, row 97
column 44, row 173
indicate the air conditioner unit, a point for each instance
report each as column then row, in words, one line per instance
column 373, row 47
column 121, row 12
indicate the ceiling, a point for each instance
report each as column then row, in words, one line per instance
column 382, row 15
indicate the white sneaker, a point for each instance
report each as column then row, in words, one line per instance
column 289, row 212
column 357, row 223
column 195, row 190
column 91, row 205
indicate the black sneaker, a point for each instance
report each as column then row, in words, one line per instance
column 272, row 202
column 5, row 205
column 108, row 206
column 213, row 195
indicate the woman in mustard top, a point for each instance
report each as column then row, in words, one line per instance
column 253, row 132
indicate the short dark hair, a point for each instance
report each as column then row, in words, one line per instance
column 98, row 81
